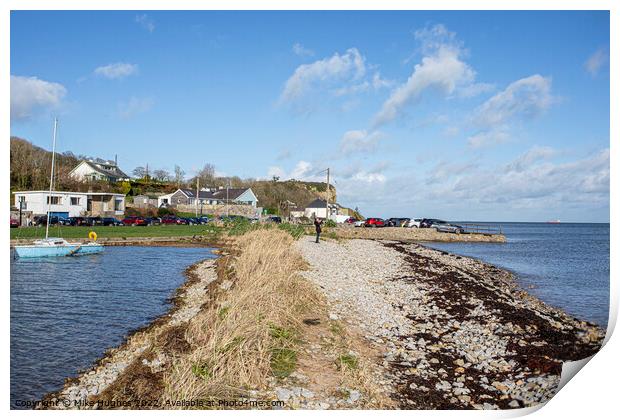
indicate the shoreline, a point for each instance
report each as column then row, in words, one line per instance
column 399, row 353
column 456, row 332
column 78, row 390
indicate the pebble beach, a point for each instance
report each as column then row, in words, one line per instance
column 454, row 332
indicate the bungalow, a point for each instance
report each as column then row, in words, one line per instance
column 318, row 208
column 209, row 196
column 71, row 204
column 98, row 169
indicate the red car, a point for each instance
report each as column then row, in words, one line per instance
column 374, row 222
column 169, row 220
column 14, row 223
column 135, row 221
column 351, row 220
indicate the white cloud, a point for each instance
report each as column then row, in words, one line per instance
column 146, row 22
column 535, row 154
column 344, row 68
column 444, row 171
column 441, row 70
column 301, row 51
column 116, row 70
column 488, row 138
column 532, row 181
column 474, row 89
column 597, row 60
column 302, row 171
column 527, row 97
column 359, row 141
column 29, row 94
column 369, row 177
column 134, row 106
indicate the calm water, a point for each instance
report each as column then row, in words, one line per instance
column 66, row 311
column 567, row 264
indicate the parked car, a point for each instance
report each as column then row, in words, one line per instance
column 442, row 226
column 134, row 221
column 111, row 221
column 42, row 220
column 351, row 220
column 414, row 223
column 193, row 221
column 374, row 222
column 360, row 223
column 14, row 223
column 152, row 221
column 397, row 221
column 169, row 219
column 182, row 221
column 75, row 221
column 273, row 219
column 94, row 221
column 426, row 223
column 65, row 221
column 203, row 220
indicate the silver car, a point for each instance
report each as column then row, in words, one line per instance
column 441, row 226
column 414, row 223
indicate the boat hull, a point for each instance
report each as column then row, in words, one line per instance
column 34, row 251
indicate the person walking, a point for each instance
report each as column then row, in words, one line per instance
column 317, row 227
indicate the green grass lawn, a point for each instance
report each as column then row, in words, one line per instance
column 111, row 231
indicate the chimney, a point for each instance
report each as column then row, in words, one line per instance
column 115, row 160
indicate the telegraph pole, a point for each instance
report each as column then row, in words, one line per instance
column 197, row 193
column 327, row 198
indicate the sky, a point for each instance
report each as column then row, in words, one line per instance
column 464, row 115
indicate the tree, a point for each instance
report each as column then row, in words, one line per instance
column 161, row 175
column 178, row 175
column 206, row 175
column 139, row 172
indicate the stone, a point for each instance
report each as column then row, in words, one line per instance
column 283, row 394
column 354, row 395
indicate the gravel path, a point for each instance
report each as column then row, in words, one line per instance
column 457, row 332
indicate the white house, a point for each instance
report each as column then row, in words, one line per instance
column 209, row 196
column 98, row 169
column 318, row 208
column 71, row 204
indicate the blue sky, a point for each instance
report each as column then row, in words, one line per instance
column 457, row 115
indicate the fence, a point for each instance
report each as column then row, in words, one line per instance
column 484, row 229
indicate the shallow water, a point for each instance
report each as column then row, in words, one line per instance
column 66, row 311
column 566, row 265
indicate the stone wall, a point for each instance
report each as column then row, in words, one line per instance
column 412, row 234
column 221, row 209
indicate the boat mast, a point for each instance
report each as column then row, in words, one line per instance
column 49, row 198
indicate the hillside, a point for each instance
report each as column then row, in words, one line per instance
column 30, row 170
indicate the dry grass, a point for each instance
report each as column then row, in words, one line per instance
column 251, row 330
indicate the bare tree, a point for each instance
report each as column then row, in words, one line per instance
column 140, row 172
column 206, row 175
column 178, row 175
column 161, row 175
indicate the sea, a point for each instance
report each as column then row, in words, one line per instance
column 65, row 312
column 566, row 264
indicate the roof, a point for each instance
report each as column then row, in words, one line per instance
column 320, row 204
column 115, row 172
column 67, row 192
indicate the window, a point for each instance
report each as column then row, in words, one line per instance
column 54, row 200
column 118, row 205
column 75, row 201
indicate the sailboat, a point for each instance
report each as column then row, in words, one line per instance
column 55, row 247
